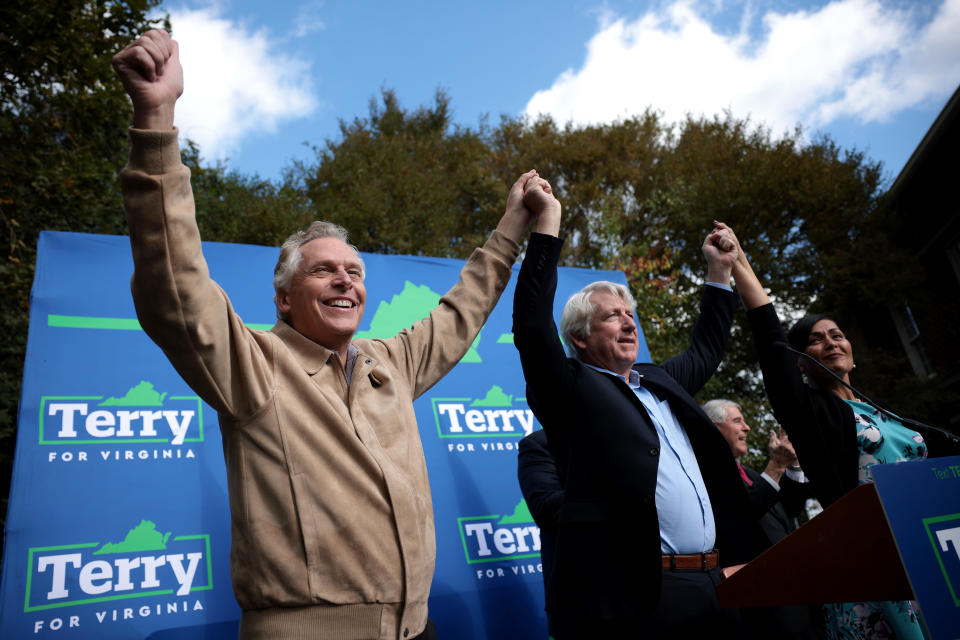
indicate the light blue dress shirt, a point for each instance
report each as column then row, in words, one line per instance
column 683, row 505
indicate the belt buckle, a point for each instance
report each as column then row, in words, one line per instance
column 703, row 557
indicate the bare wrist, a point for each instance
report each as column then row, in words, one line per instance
column 548, row 222
column 719, row 274
column 775, row 471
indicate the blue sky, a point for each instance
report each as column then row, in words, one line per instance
column 262, row 78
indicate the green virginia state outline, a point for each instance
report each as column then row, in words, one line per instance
column 142, row 395
column 521, row 513
column 495, row 398
column 406, row 308
column 143, row 537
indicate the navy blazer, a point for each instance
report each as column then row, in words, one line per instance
column 607, row 561
column 777, row 510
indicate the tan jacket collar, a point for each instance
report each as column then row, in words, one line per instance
column 309, row 354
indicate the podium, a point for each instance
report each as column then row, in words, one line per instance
column 831, row 558
column 895, row 539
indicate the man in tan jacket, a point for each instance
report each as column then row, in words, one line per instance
column 331, row 515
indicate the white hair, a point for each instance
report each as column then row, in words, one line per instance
column 577, row 312
column 716, row 410
column 290, row 256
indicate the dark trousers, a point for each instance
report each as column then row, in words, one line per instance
column 687, row 608
column 429, row 632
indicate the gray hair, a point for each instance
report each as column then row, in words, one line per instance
column 576, row 315
column 290, row 256
column 716, row 410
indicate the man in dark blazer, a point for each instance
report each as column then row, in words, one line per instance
column 778, row 496
column 651, row 490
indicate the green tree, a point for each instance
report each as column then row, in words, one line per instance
column 604, row 175
column 638, row 195
column 234, row 207
column 63, row 123
column 410, row 183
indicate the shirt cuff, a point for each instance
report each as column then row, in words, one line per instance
column 720, row 285
column 796, row 476
column 773, row 483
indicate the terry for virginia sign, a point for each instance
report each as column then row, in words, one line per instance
column 118, row 524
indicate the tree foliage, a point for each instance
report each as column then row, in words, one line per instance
column 234, row 207
column 409, row 183
column 63, row 124
column 639, row 195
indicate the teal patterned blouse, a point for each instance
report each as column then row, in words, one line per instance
column 882, row 439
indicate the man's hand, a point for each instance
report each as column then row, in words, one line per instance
column 520, row 212
column 781, row 450
column 721, row 250
column 538, row 197
column 730, row 235
column 748, row 285
column 150, row 71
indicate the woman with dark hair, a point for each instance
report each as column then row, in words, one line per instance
column 837, row 436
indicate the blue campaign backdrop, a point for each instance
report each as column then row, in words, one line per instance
column 118, row 522
column 921, row 500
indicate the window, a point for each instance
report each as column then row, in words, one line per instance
column 910, row 336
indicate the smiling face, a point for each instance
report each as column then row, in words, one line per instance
column 735, row 429
column 326, row 296
column 612, row 343
column 827, row 344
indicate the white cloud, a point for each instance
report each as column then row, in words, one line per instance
column 309, row 20
column 849, row 58
column 236, row 82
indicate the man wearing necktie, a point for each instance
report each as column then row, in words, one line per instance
column 778, row 495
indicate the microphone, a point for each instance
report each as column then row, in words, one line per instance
column 943, row 437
